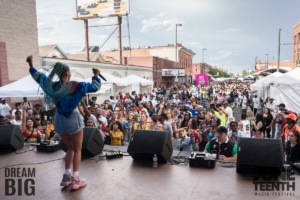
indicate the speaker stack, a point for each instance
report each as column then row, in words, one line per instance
column 144, row 144
column 11, row 138
column 256, row 154
column 92, row 143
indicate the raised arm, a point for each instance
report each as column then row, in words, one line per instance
column 24, row 117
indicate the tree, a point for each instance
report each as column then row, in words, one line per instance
column 215, row 72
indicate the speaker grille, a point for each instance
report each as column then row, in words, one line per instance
column 144, row 144
column 260, row 152
column 11, row 138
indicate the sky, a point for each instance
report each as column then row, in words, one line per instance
column 233, row 32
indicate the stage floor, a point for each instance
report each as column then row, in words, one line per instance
column 123, row 178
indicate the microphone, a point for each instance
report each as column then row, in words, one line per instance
column 100, row 75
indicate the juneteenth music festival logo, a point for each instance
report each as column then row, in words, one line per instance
column 19, row 181
column 270, row 185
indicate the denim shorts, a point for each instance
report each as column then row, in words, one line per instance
column 69, row 125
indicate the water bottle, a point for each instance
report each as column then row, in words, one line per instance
column 42, row 138
column 155, row 165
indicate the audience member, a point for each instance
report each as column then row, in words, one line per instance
column 222, row 145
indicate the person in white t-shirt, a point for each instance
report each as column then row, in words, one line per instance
column 256, row 104
column 4, row 108
column 244, row 126
column 17, row 108
column 176, row 100
column 18, row 119
column 228, row 112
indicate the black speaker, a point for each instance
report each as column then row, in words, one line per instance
column 11, row 138
column 144, row 144
column 258, row 153
column 92, row 143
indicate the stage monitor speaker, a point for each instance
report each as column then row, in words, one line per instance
column 11, row 138
column 259, row 153
column 92, row 143
column 144, row 144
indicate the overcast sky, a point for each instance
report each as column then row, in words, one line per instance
column 233, row 32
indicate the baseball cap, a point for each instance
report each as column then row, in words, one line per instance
column 291, row 116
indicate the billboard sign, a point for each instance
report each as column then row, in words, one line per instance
column 101, row 8
column 172, row 72
column 202, row 79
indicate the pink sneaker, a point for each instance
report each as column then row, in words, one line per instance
column 66, row 180
column 77, row 183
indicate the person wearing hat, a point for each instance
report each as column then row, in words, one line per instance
column 272, row 107
column 289, row 127
column 279, row 119
column 222, row 145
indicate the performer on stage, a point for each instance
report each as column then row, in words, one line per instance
column 69, row 125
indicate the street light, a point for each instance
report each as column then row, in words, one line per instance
column 204, row 49
column 267, row 61
column 177, row 25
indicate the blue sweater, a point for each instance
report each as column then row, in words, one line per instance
column 67, row 104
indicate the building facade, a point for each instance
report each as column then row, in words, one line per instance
column 18, row 39
column 160, row 58
column 296, row 45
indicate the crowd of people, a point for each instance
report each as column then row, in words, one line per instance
column 197, row 118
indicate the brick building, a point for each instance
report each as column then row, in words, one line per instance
column 296, row 46
column 18, row 39
column 159, row 58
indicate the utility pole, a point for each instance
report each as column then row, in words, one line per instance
column 278, row 61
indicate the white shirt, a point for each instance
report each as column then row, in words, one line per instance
column 145, row 99
column 113, row 103
column 154, row 102
column 15, row 122
column 256, row 103
column 176, row 101
column 14, row 110
column 244, row 101
column 246, row 128
column 272, row 107
column 228, row 109
column 4, row 109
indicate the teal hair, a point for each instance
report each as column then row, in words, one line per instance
column 53, row 92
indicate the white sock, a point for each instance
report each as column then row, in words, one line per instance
column 68, row 171
column 75, row 174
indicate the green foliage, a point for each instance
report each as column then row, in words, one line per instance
column 246, row 73
column 220, row 73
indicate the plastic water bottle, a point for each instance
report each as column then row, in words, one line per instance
column 42, row 139
column 155, row 165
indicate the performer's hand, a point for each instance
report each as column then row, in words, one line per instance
column 96, row 72
column 29, row 60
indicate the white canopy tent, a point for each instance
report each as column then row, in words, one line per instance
column 25, row 87
column 262, row 85
column 286, row 89
column 116, row 84
column 139, row 84
column 291, row 77
column 28, row 87
column 101, row 95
